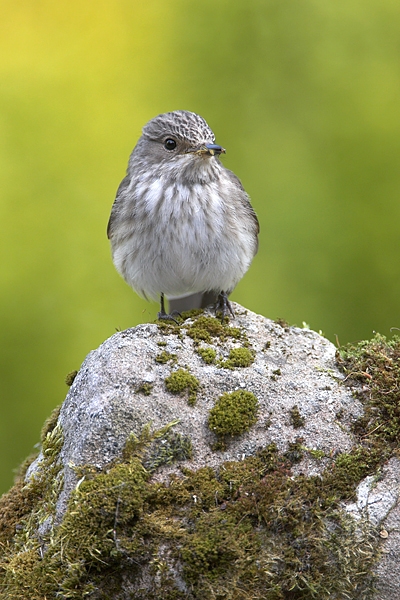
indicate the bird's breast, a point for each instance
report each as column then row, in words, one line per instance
column 184, row 238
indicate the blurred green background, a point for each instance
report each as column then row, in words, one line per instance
column 304, row 94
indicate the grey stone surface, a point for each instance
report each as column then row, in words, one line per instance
column 292, row 367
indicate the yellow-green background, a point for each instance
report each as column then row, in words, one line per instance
column 305, row 96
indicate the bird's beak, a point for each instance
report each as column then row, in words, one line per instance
column 214, row 149
column 210, row 150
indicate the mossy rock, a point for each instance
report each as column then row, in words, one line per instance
column 248, row 522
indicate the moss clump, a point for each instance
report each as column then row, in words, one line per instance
column 282, row 323
column 165, row 356
column 182, row 381
column 171, row 447
column 191, row 314
column 296, row 418
column 69, row 379
column 28, row 504
column 50, row 423
column 204, row 329
column 376, row 365
column 295, row 451
column 207, row 354
column 317, row 454
column 233, row 413
column 144, row 388
column 250, row 530
column 238, row 357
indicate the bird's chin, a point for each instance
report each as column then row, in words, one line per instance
column 199, row 167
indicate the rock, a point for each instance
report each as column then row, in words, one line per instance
column 168, row 433
column 105, row 403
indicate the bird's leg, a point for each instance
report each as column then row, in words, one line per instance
column 163, row 315
column 223, row 305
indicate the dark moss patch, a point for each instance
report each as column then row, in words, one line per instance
column 275, row 374
column 181, row 381
column 372, row 369
column 50, row 423
column 295, row 451
column 171, row 447
column 69, row 379
column 165, row 356
column 25, row 505
column 168, row 328
column 233, row 413
column 144, row 388
column 296, row 418
column 376, row 365
column 282, row 323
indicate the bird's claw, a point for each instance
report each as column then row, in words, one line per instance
column 165, row 317
column 224, row 306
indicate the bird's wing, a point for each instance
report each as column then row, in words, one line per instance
column 245, row 199
column 120, row 193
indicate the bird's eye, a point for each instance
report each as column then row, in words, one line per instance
column 170, row 144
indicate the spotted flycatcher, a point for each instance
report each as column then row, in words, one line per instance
column 181, row 224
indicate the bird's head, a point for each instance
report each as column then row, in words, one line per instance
column 180, row 141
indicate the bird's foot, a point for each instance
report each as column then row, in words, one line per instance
column 169, row 317
column 224, row 306
column 163, row 315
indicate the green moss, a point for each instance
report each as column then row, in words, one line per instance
column 181, row 381
column 191, row 314
column 249, row 531
column 136, row 446
column 50, row 423
column 376, row 365
column 207, row 354
column 317, row 454
column 233, row 413
column 28, row 504
column 69, row 379
column 168, row 449
column 238, row 357
column 282, row 323
column 296, row 419
column 144, row 388
column 165, row 356
column 295, row 451
column 204, row 329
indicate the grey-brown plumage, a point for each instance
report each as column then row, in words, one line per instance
column 181, row 223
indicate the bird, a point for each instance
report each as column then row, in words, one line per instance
column 182, row 226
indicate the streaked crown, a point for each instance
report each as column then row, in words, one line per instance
column 183, row 124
